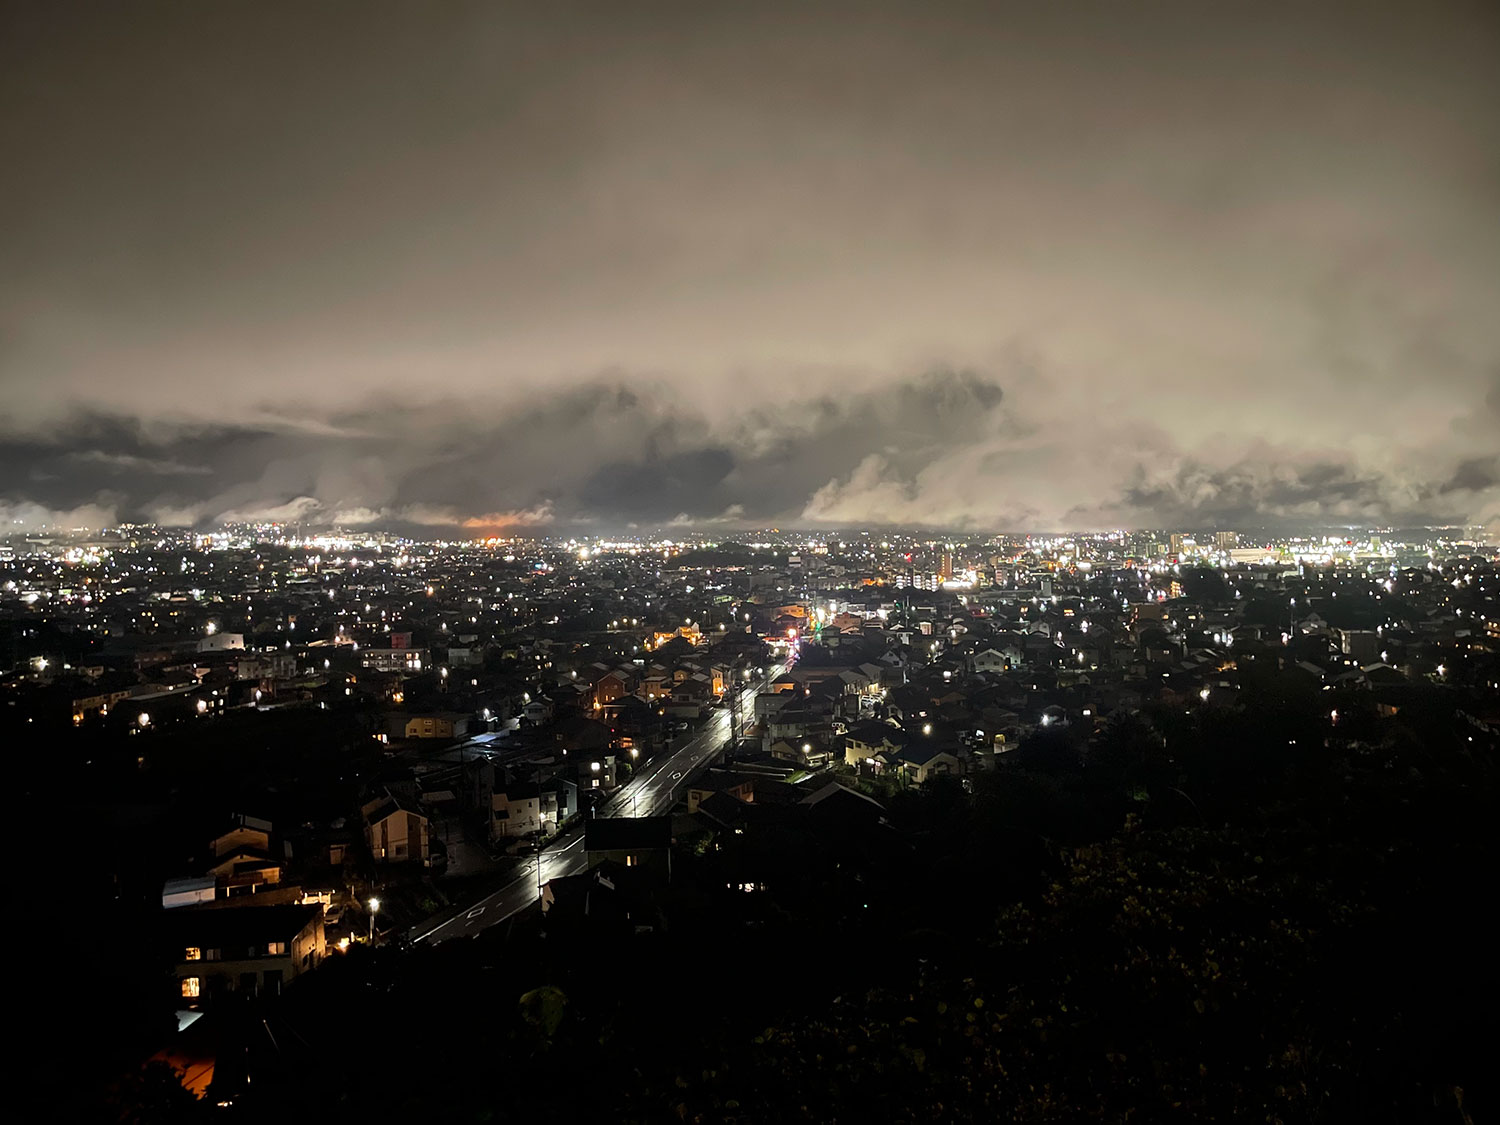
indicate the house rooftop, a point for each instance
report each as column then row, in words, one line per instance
column 834, row 790
column 721, row 779
column 920, row 754
column 388, row 805
column 725, row 809
column 873, row 732
column 623, row 833
column 246, row 925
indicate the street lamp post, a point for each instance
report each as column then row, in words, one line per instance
column 374, row 907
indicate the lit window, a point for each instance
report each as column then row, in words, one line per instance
column 193, row 954
column 276, row 949
column 190, row 987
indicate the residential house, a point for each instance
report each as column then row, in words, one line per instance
column 537, row 711
column 723, row 812
column 559, row 802
column 436, row 724
column 810, row 751
column 244, row 831
column 247, row 950
column 609, row 684
column 608, row 901
column 243, row 870
column 597, row 771
column 515, row 810
column 633, row 724
column 769, row 702
column 991, row 660
column 738, row 785
column 923, row 759
column 793, row 723
column 867, row 740
column 656, row 684
column 644, row 842
column 392, row 659
column 98, row 704
column 837, row 804
column 396, row 830
column 242, row 857
column 690, row 695
column 577, row 736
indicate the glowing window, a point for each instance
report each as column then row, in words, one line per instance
column 191, row 987
column 193, row 954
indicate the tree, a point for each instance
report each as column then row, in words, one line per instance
column 1126, row 750
column 151, row 1095
column 1051, row 750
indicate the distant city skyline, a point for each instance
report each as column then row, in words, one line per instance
column 493, row 268
column 1125, row 540
column 586, row 530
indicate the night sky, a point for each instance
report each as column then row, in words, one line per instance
column 554, row 266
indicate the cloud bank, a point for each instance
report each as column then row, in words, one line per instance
column 942, row 449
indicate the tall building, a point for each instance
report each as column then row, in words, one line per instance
column 1226, row 540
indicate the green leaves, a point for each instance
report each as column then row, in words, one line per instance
column 543, row 1009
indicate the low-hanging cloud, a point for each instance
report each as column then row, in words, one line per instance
column 945, row 448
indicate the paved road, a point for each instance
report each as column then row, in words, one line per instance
column 651, row 792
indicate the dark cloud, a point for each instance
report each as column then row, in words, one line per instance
column 1249, row 492
column 936, row 449
column 1475, row 475
column 547, row 264
column 658, row 488
column 602, row 452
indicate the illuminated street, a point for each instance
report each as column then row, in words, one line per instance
column 651, row 792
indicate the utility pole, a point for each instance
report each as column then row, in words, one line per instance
column 736, row 694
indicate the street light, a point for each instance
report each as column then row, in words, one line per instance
column 374, row 906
